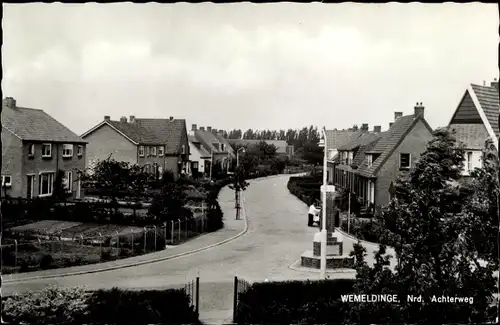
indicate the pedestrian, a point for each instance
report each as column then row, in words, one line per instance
column 313, row 211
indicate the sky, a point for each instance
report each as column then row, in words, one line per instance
column 259, row 66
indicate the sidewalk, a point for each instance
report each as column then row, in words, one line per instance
column 232, row 230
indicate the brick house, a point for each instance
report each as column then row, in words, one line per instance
column 35, row 147
column 368, row 165
column 214, row 143
column 475, row 120
column 156, row 144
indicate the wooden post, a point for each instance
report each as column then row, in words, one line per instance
column 235, row 298
column 197, row 294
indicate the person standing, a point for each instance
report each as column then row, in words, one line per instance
column 313, row 211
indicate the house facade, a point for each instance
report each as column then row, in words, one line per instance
column 214, row 143
column 157, row 145
column 368, row 165
column 199, row 158
column 475, row 120
column 35, row 147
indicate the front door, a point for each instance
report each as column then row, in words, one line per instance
column 29, row 188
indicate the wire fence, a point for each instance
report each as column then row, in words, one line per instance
column 24, row 251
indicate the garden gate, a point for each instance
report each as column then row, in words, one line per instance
column 240, row 286
column 192, row 289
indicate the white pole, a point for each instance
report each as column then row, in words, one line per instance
column 323, row 230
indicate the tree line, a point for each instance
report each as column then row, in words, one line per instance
column 296, row 137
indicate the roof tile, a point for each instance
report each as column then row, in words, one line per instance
column 489, row 101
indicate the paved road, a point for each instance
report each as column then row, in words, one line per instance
column 277, row 236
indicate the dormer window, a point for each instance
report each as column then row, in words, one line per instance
column 350, row 157
column 369, row 160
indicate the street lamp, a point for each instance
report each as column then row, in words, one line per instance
column 238, row 155
column 323, row 208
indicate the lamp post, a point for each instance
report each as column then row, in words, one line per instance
column 323, row 212
column 238, row 155
column 237, row 188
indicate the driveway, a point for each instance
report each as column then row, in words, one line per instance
column 277, row 236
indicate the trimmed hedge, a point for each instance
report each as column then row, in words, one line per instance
column 306, row 188
column 292, row 302
column 76, row 306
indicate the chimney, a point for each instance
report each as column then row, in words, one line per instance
column 220, row 133
column 171, row 118
column 355, row 127
column 377, row 128
column 107, row 117
column 9, row 102
column 390, row 124
column 209, row 128
column 364, row 127
column 419, row 110
column 397, row 115
column 132, row 119
column 214, row 131
column 193, row 127
column 202, row 128
column 493, row 84
column 123, row 119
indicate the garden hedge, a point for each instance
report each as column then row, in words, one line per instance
column 292, row 302
column 77, row 306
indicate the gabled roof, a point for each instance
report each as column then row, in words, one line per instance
column 389, row 141
column 489, row 104
column 360, row 158
column 360, row 140
column 207, row 139
column 337, row 138
column 203, row 153
column 226, row 143
column 149, row 132
column 168, row 131
column 35, row 125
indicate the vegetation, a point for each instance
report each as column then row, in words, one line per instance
column 77, row 306
column 306, row 188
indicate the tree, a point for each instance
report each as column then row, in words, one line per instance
column 110, row 178
column 139, row 181
column 433, row 257
column 169, row 204
column 238, row 184
column 480, row 215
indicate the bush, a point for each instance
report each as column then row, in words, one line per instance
column 46, row 262
column 48, row 306
column 293, row 302
column 117, row 306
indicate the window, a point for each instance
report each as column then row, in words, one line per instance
column 148, row 151
column 46, row 150
column 404, row 160
column 80, row 151
column 153, row 151
column 67, row 150
column 6, row 181
column 351, row 157
column 195, row 165
column 31, row 150
column 222, row 146
column 369, row 160
column 469, row 161
column 160, row 151
column 68, row 181
column 141, row 151
column 46, row 183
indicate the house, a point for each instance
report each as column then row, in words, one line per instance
column 281, row 145
column 335, row 139
column 211, row 140
column 35, row 146
column 156, row 144
column 368, row 165
column 475, row 120
column 198, row 157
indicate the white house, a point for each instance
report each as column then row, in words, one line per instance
column 198, row 157
column 475, row 120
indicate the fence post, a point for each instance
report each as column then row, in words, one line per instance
column 100, row 243
column 145, row 238
column 15, row 255
column 172, row 232
column 155, row 236
column 235, row 298
column 132, row 232
column 179, row 229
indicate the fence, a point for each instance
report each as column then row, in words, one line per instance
column 240, row 286
column 192, row 289
column 43, row 249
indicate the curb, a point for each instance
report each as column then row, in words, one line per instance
column 161, row 259
column 311, row 270
column 356, row 239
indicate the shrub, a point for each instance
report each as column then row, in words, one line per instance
column 46, row 262
column 293, row 302
column 49, row 306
